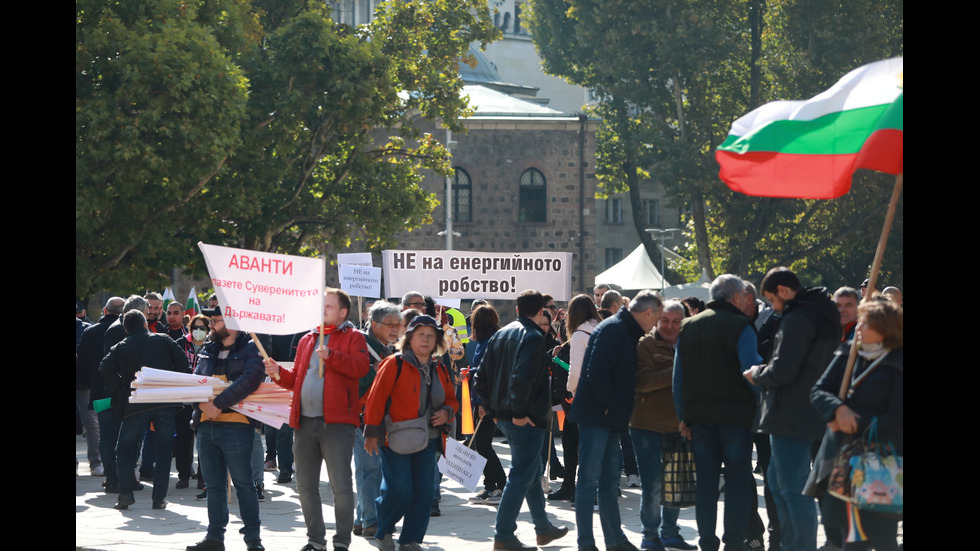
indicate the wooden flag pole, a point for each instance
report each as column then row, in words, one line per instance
column 873, row 280
column 265, row 355
column 473, row 439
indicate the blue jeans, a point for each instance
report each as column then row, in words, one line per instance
column 227, row 447
column 367, row 473
column 524, row 482
column 284, row 448
column 789, row 468
column 649, row 448
column 131, row 434
column 598, row 468
column 713, row 445
column 406, row 491
column 108, row 436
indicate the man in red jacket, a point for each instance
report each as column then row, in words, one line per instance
column 324, row 413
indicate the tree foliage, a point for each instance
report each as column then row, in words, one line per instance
column 673, row 74
column 261, row 124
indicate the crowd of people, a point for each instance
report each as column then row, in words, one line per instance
column 634, row 377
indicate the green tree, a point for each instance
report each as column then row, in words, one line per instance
column 312, row 136
column 674, row 74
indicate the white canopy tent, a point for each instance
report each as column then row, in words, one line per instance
column 636, row 271
column 697, row 289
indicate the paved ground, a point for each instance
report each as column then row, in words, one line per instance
column 99, row 527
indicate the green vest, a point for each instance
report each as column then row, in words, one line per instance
column 713, row 389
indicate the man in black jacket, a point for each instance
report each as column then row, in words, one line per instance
column 808, row 334
column 118, row 369
column 88, row 384
column 513, row 381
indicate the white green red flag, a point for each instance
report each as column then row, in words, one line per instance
column 810, row 149
column 193, row 307
column 168, row 297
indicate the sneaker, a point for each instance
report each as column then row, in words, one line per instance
column 271, row 465
column 494, row 498
column 98, row 470
column 654, row 544
column 677, row 542
column 203, row 496
column 633, row 481
column 480, row 497
column 260, row 491
column 182, row 483
column 545, row 486
column 284, row 477
column 755, row 544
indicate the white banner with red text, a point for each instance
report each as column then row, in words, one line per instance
column 270, row 293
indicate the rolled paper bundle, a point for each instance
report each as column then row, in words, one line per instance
column 150, row 375
column 172, row 394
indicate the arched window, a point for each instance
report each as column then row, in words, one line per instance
column 533, row 196
column 462, row 196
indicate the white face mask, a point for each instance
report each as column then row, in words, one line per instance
column 199, row 334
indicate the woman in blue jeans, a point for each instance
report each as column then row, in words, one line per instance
column 410, row 385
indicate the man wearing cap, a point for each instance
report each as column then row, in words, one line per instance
column 225, row 436
column 513, row 381
column 324, row 413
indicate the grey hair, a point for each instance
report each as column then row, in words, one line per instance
column 115, row 305
column 411, row 294
column 847, row 292
column 136, row 302
column 750, row 288
column 645, row 300
column 725, row 287
column 675, row 306
column 382, row 309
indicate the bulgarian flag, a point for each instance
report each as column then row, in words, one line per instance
column 168, row 297
column 810, row 149
column 193, row 307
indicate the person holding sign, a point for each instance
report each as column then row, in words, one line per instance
column 224, row 436
column 414, row 397
column 324, row 412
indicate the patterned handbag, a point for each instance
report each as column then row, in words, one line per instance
column 877, row 478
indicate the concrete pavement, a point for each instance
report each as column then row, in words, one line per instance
column 99, row 527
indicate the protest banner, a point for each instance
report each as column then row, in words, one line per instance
column 268, row 293
column 473, row 274
column 354, row 259
column 462, row 464
column 360, row 281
